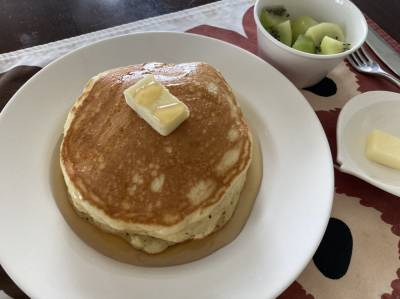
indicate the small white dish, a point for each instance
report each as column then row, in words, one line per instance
column 305, row 69
column 362, row 114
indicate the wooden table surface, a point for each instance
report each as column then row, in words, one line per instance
column 26, row 23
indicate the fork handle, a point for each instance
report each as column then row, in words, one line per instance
column 390, row 78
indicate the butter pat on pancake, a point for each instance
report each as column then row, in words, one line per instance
column 156, row 105
column 153, row 190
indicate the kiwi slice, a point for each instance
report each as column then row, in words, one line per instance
column 283, row 32
column 304, row 44
column 270, row 19
column 332, row 46
column 319, row 31
column 301, row 24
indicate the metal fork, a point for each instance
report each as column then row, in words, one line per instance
column 363, row 63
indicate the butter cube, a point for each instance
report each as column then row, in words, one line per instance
column 153, row 102
column 169, row 113
column 383, row 148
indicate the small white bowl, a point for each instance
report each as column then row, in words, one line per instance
column 305, row 69
column 362, row 114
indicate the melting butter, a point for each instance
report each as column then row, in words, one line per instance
column 153, row 102
column 148, row 95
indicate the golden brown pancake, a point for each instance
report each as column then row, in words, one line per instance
column 156, row 190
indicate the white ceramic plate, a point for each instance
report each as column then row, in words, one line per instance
column 47, row 260
column 362, row 114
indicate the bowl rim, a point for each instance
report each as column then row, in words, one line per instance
column 284, row 47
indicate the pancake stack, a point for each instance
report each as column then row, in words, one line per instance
column 156, row 191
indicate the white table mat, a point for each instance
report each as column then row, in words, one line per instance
column 224, row 14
